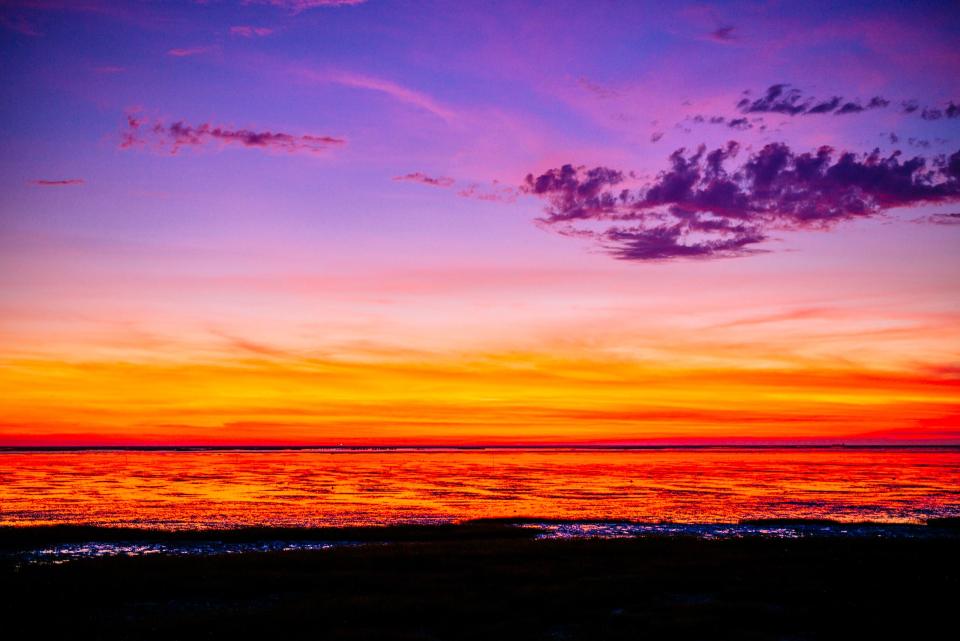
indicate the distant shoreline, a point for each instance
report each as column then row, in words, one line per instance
column 469, row 448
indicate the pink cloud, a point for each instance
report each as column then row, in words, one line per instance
column 246, row 31
column 296, row 6
column 20, row 25
column 491, row 192
column 388, row 87
column 494, row 192
column 141, row 131
column 394, row 90
column 940, row 219
column 191, row 51
column 418, row 177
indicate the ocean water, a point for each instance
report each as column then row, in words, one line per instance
column 203, row 489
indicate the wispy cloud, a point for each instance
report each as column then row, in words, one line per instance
column 940, row 219
column 64, row 182
column 19, row 24
column 394, row 90
column 296, row 6
column 247, row 31
column 490, row 192
column 109, row 69
column 140, row 131
column 595, row 88
column 371, row 83
column 419, row 177
column 493, row 192
column 698, row 209
column 723, row 34
column 190, row 51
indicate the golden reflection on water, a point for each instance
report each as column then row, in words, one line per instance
column 201, row 489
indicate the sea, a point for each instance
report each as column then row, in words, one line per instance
column 564, row 491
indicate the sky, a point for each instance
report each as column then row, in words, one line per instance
column 377, row 222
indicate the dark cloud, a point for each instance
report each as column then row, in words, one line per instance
column 579, row 193
column 723, row 34
column 597, row 89
column 941, row 219
column 141, row 131
column 778, row 99
column 783, row 99
column 950, row 110
column 701, row 208
column 67, row 182
column 424, row 179
column 855, row 107
column 733, row 123
column 826, row 106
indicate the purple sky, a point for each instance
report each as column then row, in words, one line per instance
column 183, row 179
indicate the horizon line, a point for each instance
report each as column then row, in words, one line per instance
column 487, row 446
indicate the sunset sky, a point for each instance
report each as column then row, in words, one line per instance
column 358, row 222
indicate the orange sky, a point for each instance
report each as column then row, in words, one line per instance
column 418, row 365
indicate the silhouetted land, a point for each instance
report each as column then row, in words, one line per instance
column 480, row 581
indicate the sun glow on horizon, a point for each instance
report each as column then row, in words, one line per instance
column 239, row 224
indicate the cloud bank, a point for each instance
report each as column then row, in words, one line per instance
column 698, row 208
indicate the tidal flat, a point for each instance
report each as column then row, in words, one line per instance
column 497, row 581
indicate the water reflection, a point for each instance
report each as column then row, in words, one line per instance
column 218, row 489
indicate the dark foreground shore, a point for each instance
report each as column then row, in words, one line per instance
column 489, row 581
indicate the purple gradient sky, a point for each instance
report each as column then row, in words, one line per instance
column 165, row 252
